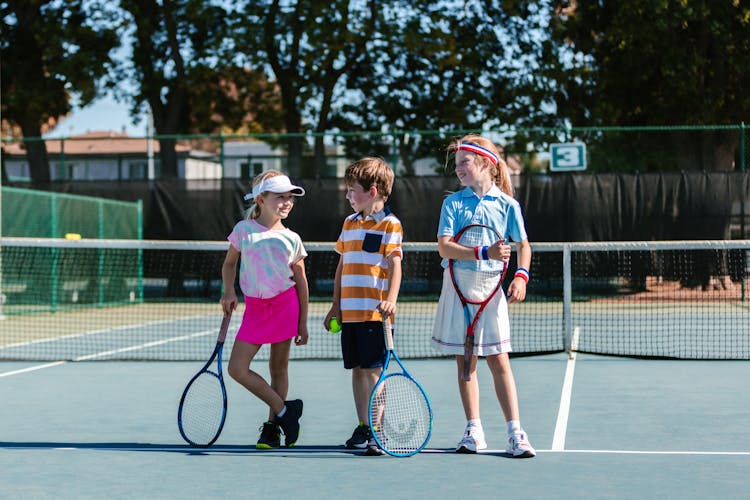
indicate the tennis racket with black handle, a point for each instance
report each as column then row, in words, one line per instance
column 203, row 406
column 476, row 282
column 400, row 415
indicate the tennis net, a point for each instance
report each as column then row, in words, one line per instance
column 159, row 300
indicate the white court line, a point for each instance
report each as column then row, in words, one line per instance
column 561, row 426
column 644, row 452
column 223, row 449
column 95, row 332
column 32, row 368
column 143, row 346
column 107, row 353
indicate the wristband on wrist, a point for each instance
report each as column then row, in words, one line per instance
column 476, row 253
column 485, row 254
column 522, row 273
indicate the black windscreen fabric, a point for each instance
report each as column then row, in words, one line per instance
column 559, row 207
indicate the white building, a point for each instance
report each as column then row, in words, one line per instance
column 108, row 156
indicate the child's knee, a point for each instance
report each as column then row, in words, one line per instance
column 236, row 371
column 499, row 362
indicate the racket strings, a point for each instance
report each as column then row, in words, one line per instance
column 479, row 236
column 203, row 409
column 476, row 286
column 400, row 414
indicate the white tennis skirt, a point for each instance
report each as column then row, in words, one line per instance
column 491, row 333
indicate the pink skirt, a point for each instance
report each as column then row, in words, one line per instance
column 272, row 320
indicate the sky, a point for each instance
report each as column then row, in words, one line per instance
column 104, row 114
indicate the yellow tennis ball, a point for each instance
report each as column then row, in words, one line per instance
column 334, row 326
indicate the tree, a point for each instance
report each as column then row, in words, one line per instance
column 309, row 48
column 173, row 41
column 657, row 62
column 449, row 66
column 51, row 51
column 233, row 99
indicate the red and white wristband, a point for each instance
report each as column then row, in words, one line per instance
column 522, row 273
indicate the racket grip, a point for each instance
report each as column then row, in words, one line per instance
column 468, row 353
column 224, row 327
column 387, row 333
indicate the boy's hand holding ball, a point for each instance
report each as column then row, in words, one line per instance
column 334, row 326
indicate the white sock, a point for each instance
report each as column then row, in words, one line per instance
column 476, row 423
column 513, row 426
column 282, row 412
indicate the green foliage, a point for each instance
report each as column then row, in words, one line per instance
column 49, row 53
column 433, row 67
column 648, row 62
column 396, row 67
column 656, row 62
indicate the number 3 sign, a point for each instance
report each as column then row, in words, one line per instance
column 567, row 156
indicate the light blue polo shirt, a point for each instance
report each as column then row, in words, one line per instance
column 496, row 209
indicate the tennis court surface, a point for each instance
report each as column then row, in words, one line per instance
column 633, row 382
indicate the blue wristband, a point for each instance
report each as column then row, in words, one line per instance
column 485, row 255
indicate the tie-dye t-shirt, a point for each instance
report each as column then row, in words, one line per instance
column 266, row 258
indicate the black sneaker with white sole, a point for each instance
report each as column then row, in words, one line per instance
column 289, row 423
column 360, row 437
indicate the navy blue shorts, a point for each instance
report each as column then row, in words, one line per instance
column 362, row 344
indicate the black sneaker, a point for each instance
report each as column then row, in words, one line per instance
column 373, row 450
column 290, row 421
column 270, row 436
column 360, row 437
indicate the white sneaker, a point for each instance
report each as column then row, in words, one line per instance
column 519, row 446
column 472, row 441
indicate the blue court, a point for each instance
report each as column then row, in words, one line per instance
column 603, row 427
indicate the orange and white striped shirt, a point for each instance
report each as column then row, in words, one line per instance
column 365, row 245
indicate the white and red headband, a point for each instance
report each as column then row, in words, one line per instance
column 469, row 146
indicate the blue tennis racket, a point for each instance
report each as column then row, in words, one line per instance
column 203, row 405
column 400, row 415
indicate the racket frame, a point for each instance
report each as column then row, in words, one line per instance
column 391, row 354
column 216, row 354
column 471, row 323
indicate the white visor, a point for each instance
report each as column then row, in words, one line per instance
column 275, row 184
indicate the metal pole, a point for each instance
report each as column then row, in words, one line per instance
column 567, row 301
column 150, row 144
column 743, row 200
column 2, row 295
column 221, row 154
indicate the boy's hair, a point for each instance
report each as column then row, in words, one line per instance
column 500, row 172
column 371, row 171
column 253, row 211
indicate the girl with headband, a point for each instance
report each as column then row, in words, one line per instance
column 487, row 199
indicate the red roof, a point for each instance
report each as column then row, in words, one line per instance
column 93, row 143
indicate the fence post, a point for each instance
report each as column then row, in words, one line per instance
column 743, row 200
column 100, row 254
column 221, row 153
column 55, row 252
column 140, row 252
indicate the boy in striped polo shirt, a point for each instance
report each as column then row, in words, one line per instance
column 366, row 285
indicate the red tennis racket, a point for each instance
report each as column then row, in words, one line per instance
column 476, row 281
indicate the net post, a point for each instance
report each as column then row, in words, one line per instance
column 743, row 200
column 567, row 299
column 2, row 296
